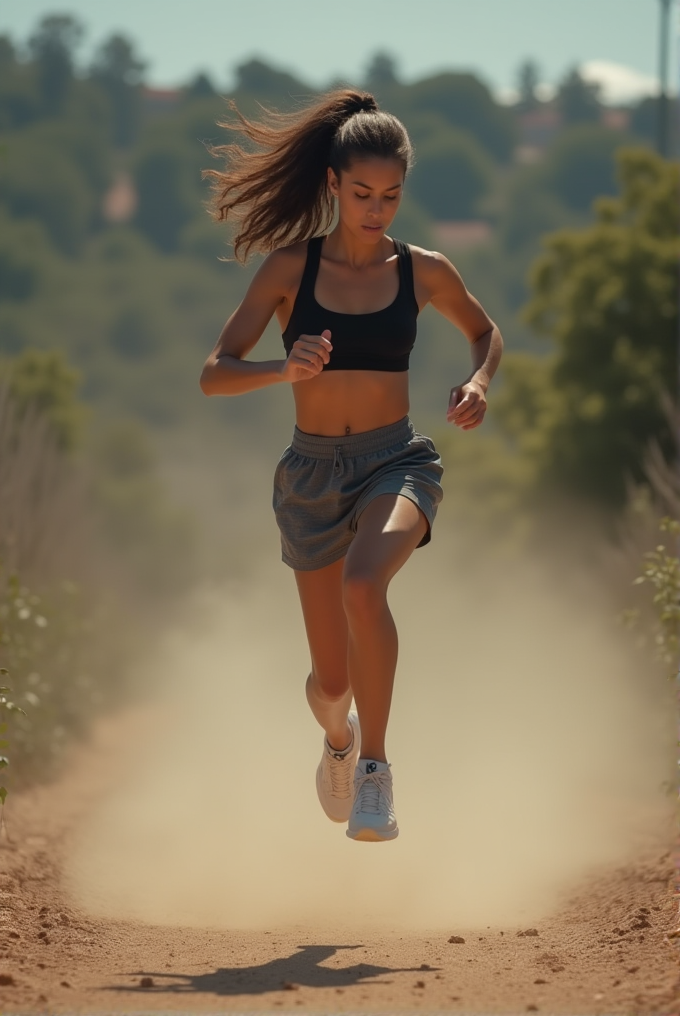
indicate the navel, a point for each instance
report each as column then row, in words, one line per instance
column 347, row 429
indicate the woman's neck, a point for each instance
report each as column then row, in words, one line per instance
column 341, row 245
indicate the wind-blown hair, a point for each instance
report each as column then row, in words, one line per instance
column 275, row 188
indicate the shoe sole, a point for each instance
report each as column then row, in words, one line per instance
column 372, row 835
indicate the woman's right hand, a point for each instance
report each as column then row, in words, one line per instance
column 307, row 357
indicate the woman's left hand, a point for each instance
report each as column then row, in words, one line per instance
column 467, row 405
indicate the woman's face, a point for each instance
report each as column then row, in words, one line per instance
column 368, row 194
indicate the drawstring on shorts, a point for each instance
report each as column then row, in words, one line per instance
column 338, row 461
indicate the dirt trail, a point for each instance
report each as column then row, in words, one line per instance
column 603, row 951
column 182, row 863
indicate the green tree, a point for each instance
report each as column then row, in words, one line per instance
column 530, row 210
column 8, row 53
column 19, row 98
column 200, row 87
column 580, row 165
column 528, row 80
column 451, row 174
column 53, row 46
column 578, row 100
column 134, row 332
column 44, row 383
column 644, row 121
column 259, row 80
column 60, row 199
column 607, row 297
column 119, row 71
column 467, row 104
column 382, row 71
column 24, row 253
column 165, row 199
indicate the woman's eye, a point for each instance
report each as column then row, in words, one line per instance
column 362, row 197
column 390, row 197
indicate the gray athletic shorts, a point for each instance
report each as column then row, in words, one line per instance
column 322, row 485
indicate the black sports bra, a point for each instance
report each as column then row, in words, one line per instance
column 381, row 340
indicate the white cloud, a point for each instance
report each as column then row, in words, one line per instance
column 620, row 84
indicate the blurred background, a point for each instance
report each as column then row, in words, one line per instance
column 547, row 146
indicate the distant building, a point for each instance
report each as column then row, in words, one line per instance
column 615, row 119
column 462, row 234
column 157, row 101
column 537, row 127
column 120, row 200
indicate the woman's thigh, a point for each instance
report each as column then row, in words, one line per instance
column 326, row 625
column 389, row 530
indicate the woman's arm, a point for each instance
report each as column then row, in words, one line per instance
column 443, row 287
column 226, row 371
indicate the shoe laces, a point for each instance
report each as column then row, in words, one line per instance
column 340, row 773
column 373, row 793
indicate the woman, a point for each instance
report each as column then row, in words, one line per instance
column 357, row 489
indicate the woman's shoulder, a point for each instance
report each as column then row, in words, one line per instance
column 433, row 273
column 284, row 266
column 429, row 263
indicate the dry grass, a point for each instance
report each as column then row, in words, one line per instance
column 45, row 530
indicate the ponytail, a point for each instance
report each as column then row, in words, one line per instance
column 276, row 188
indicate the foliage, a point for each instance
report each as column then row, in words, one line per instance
column 119, row 72
column 42, row 382
column 106, row 550
column 531, row 209
column 381, row 71
column 581, row 165
column 66, row 207
column 577, row 100
column 53, row 46
column 661, row 570
column 6, row 706
column 19, row 97
column 465, row 103
column 528, row 80
column 24, row 249
column 164, row 194
column 60, row 656
column 257, row 81
column 451, row 174
column 607, row 297
column 201, row 87
column 155, row 539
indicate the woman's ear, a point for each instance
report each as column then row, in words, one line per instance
column 333, row 182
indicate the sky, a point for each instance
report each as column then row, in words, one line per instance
column 615, row 41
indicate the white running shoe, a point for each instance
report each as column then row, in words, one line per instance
column 372, row 818
column 334, row 775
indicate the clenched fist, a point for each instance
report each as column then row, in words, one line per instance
column 307, row 357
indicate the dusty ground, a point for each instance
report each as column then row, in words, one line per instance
column 604, row 950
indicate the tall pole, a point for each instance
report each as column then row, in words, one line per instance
column 662, row 109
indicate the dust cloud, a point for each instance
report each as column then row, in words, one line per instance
column 528, row 748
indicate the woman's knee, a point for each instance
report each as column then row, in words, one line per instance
column 364, row 595
column 329, row 685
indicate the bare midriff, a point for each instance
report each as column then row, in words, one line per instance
column 341, row 402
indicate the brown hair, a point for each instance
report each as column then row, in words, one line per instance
column 276, row 188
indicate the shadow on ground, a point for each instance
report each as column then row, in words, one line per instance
column 302, row 969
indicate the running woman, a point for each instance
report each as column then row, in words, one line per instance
column 357, row 489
